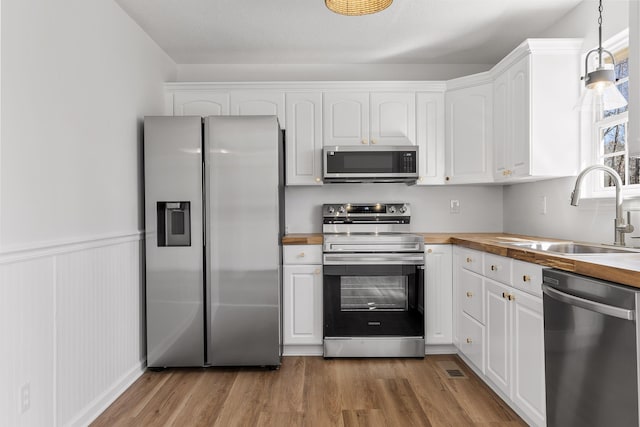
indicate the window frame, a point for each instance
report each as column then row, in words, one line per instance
column 592, row 142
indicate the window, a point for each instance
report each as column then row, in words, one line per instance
column 609, row 134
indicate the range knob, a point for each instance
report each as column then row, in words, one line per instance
column 341, row 209
column 392, row 209
column 403, row 209
column 331, row 210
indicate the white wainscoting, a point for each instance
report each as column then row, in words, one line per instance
column 72, row 329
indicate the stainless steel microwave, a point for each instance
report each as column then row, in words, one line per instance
column 371, row 164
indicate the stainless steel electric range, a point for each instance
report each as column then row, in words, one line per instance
column 373, row 281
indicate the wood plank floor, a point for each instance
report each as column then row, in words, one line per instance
column 311, row 391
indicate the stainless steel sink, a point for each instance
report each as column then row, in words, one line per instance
column 571, row 248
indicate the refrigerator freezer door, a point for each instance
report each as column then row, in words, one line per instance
column 243, row 240
column 174, row 264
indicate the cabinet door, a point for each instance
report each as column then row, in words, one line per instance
column 346, row 118
column 501, row 126
column 469, row 124
column 259, row 104
column 498, row 324
column 302, row 322
column 438, row 294
column 471, row 335
column 430, row 137
column 519, row 119
column 304, row 138
column 200, row 104
column 528, row 356
column 393, row 118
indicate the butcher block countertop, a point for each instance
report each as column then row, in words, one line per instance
column 621, row 267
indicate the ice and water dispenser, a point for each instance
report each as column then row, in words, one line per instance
column 174, row 223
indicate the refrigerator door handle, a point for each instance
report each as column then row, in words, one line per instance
column 597, row 307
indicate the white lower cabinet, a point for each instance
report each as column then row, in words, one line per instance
column 302, row 300
column 502, row 333
column 438, row 295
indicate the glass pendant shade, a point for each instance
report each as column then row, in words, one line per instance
column 601, row 92
column 357, row 7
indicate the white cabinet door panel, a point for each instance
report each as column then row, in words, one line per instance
column 302, row 304
column 304, row 138
column 430, row 137
column 498, row 340
column 346, row 118
column 438, row 294
column 393, row 118
column 200, row 104
column 259, row 104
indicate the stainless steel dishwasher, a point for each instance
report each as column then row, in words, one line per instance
column 591, row 351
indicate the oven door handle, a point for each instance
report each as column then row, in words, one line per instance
column 373, row 259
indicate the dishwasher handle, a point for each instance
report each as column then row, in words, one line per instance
column 605, row 309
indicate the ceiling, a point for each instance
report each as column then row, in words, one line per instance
column 306, row 32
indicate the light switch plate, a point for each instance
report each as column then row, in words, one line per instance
column 454, row 206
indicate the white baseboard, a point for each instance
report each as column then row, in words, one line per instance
column 102, row 402
column 303, row 350
column 440, row 349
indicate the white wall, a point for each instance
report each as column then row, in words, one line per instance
column 77, row 78
column 324, row 72
column 593, row 220
column 480, row 206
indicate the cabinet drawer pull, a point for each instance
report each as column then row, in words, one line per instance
column 469, row 341
column 316, row 271
column 526, row 278
column 469, row 260
column 469, row 294
column 494, row 268
column 301, row 255
column 429, row 251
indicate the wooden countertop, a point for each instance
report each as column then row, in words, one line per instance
column 620, row 268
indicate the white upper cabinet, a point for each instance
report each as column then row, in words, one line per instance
column 200, row 103
column 469, row 123
column 258, row 103
column 536, row 130
column 357, row 118
column 346, row 118
column 393, row 118
column 430, row 137
column 304, row 138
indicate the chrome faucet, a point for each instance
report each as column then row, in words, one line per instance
column 621, row 227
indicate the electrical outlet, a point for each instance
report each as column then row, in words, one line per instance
column 454, row 206
column 25, row 398
column 542, row 206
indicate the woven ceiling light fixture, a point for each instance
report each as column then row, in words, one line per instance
column 357, row 7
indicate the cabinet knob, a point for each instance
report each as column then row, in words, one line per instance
column 504, row 173
column 511, row 297
column 316, row 271
column 446, row 178
column 363, row 142
column 318, row 180
column 429, row 251
column 419, row 179
column 505, row 295
column 469, row 341
column 469, row 294
column 373, row 141
column 494, row 268
column 526, row 278
column 301, row 255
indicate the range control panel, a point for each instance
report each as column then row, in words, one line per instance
column 370, row 212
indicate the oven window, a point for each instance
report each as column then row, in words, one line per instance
column 380, row 293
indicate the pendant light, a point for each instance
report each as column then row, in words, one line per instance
column 601, row 90
column 357, row 7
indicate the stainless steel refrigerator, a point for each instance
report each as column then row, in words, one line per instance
column 214, row 218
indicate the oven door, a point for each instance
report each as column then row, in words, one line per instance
column 374, row 300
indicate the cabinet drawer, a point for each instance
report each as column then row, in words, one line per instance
column 472, row 340
column 471, row 260
column 497, row 268
column 527, row 277
column 471, row 291
column 302, row 254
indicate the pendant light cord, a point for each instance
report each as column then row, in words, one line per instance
column 600, row 34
